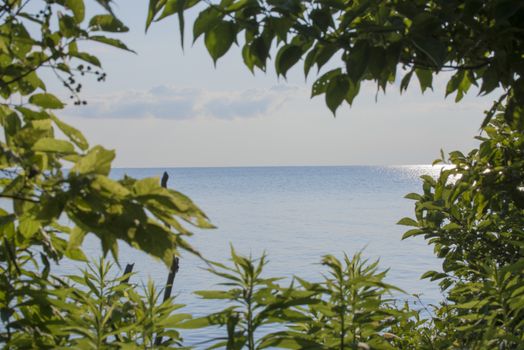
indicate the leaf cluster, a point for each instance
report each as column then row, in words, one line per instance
column 349, row 309
column 479, row 41
column 473, row 216
column 94, row 309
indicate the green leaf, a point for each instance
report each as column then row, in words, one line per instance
column 433, row 275
column 411, row 233
column 259, row 49
column 173, row 6
column 280, row 25
column 219, row 39
column 84, row 56
column 76, row 238
column 28, row 227
column 112, row 187
column 425, row 77
column 53, row 145
column 324, row 54
column 30, row 114
column 454, row 82
column 205, row 21
column 321, row 18
column 336, row 92
column 30, row 83
column 97, row 160
column 240, row 4
column 490, row 80
column 357, row 61
column 148, row 185
column 46, row 100
column 154, row 7
column 414, row 196
column 214, row 294
column 320, row 85
column 290, row 342
column 405, row 81
column 76, row 254
column 286, row 58
column 78, row 9
column 107, row 23
column 112, row 42
column 473, row 304
column 7, row 224
column 68, row 26
column 407, row 222
column 459, row 82
column 73, row 134
column 433, row 49
column 310, row 60
column 352, row 92
column 196, row 323
column 180, row 4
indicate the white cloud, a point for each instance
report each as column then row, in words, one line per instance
column 175, row 103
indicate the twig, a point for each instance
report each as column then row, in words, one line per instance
column 127, row 271
column 172, row 271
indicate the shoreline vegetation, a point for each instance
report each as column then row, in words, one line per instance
column 472, row 214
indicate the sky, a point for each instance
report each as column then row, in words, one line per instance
column 168, row 107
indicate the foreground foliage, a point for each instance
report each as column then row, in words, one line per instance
column 46, row 212
column 345, row 311
column 95, row 309
column 472, row 213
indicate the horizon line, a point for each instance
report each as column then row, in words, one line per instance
column 275, row 166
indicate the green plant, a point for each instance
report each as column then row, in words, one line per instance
column 92, row 310
column 473, row 214
column 353, row 309
column 107, row 311
column 348, row 310
column 38, row 195
column 254, row 303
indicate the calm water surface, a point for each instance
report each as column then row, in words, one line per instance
column 296, row 215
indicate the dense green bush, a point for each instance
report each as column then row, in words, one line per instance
column 473, row 214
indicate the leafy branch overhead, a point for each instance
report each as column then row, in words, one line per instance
column 381, row 41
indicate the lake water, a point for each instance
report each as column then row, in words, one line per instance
column 296, row 215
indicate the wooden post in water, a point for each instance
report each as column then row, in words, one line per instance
column 174, row 266
column 163, row 181
column 127, row 270
column 171, row 278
